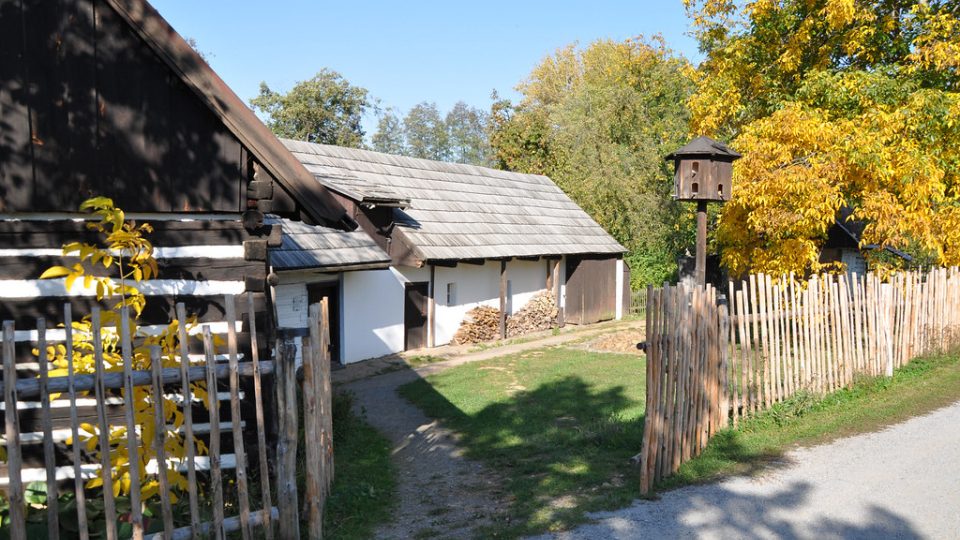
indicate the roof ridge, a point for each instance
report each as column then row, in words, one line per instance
column 412, row 159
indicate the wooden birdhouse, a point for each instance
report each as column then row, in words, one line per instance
column 703, row 171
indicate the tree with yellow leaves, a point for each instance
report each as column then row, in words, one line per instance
column 833, row 103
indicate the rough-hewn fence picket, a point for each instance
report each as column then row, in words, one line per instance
column 710, row 363
column 224, row 384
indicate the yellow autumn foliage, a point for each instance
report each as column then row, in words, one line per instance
column 834, row 104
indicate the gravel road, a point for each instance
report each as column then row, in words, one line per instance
column 902, row 482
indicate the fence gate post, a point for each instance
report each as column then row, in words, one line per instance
column 286, row 387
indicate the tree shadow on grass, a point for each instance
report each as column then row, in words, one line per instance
column 563, row 448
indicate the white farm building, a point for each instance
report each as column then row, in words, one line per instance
column 436, row 240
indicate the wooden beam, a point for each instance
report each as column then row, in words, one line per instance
column 432, row 308
column 556, row 292
column 529, row 258
column 503, row 299
column 447, row 263
column 478, row 262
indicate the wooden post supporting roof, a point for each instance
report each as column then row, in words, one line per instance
column 503, row 299
column 432, row 308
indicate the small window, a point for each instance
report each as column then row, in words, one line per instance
column 695, row 168
column 695, row 188
column 451, row 294
column 720, row 189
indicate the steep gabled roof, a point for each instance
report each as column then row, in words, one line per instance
column 461, row 211
column 180, row 57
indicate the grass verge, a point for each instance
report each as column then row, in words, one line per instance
column 362, row 495
column 924, row 385
column 558, row 425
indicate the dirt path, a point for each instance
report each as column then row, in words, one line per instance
column 902, row 482
column 440, row 493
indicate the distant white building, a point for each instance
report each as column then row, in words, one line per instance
column 437, row 240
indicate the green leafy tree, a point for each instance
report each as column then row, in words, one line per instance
column 389, row 136
column 426, row 132
column 467, row 135
column 598, row 121
column 325, row 109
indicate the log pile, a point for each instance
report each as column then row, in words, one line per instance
column 540, row 313
column 480, row 324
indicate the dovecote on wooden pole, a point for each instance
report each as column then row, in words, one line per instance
column 703, row 173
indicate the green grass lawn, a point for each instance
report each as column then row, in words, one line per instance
column 362, row 495
column 559, row 426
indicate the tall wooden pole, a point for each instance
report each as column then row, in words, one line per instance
column 701, row 255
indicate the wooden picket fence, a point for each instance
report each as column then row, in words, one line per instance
column 710, row 363
column 109, row 386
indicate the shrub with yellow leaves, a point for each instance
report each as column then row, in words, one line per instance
column 128, row 255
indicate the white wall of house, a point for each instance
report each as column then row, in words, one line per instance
column 372, row 301
column 470, row 286
column 372, row 309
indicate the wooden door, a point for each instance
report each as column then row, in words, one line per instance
column 591, row 290
column 415, row 315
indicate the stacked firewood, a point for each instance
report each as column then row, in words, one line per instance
column 480, row 324
column 540, row 313
column 483, row 323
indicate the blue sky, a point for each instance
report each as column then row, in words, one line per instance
column 408, row 52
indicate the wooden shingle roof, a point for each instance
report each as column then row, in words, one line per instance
column 458, row 211
column 323, row 248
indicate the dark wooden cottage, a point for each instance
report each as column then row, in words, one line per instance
column 103, row 97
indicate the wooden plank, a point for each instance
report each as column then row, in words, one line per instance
column 326, row 400
column 647, row 441
column 188, row 441
column 213, row 448
column 857, row 334
column 77, row 446
column 503, row 299
column 776, row 367
column 745, row 352
column 668, row 396
column 765, row 337
column 49, row 457
column 794, row 303
column 726, row 342
column 735, row 362
column 287, row 444
column 261, row 429
column 160, row 438
column 109, row 506
column 133, row 444
column 681, row 366
column 15, row 498
column 113, row 380
column 656, row 385
column 311, row 347
column 238, row 451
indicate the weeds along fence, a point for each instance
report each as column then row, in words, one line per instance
column 710, row 363
column 88, row 489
